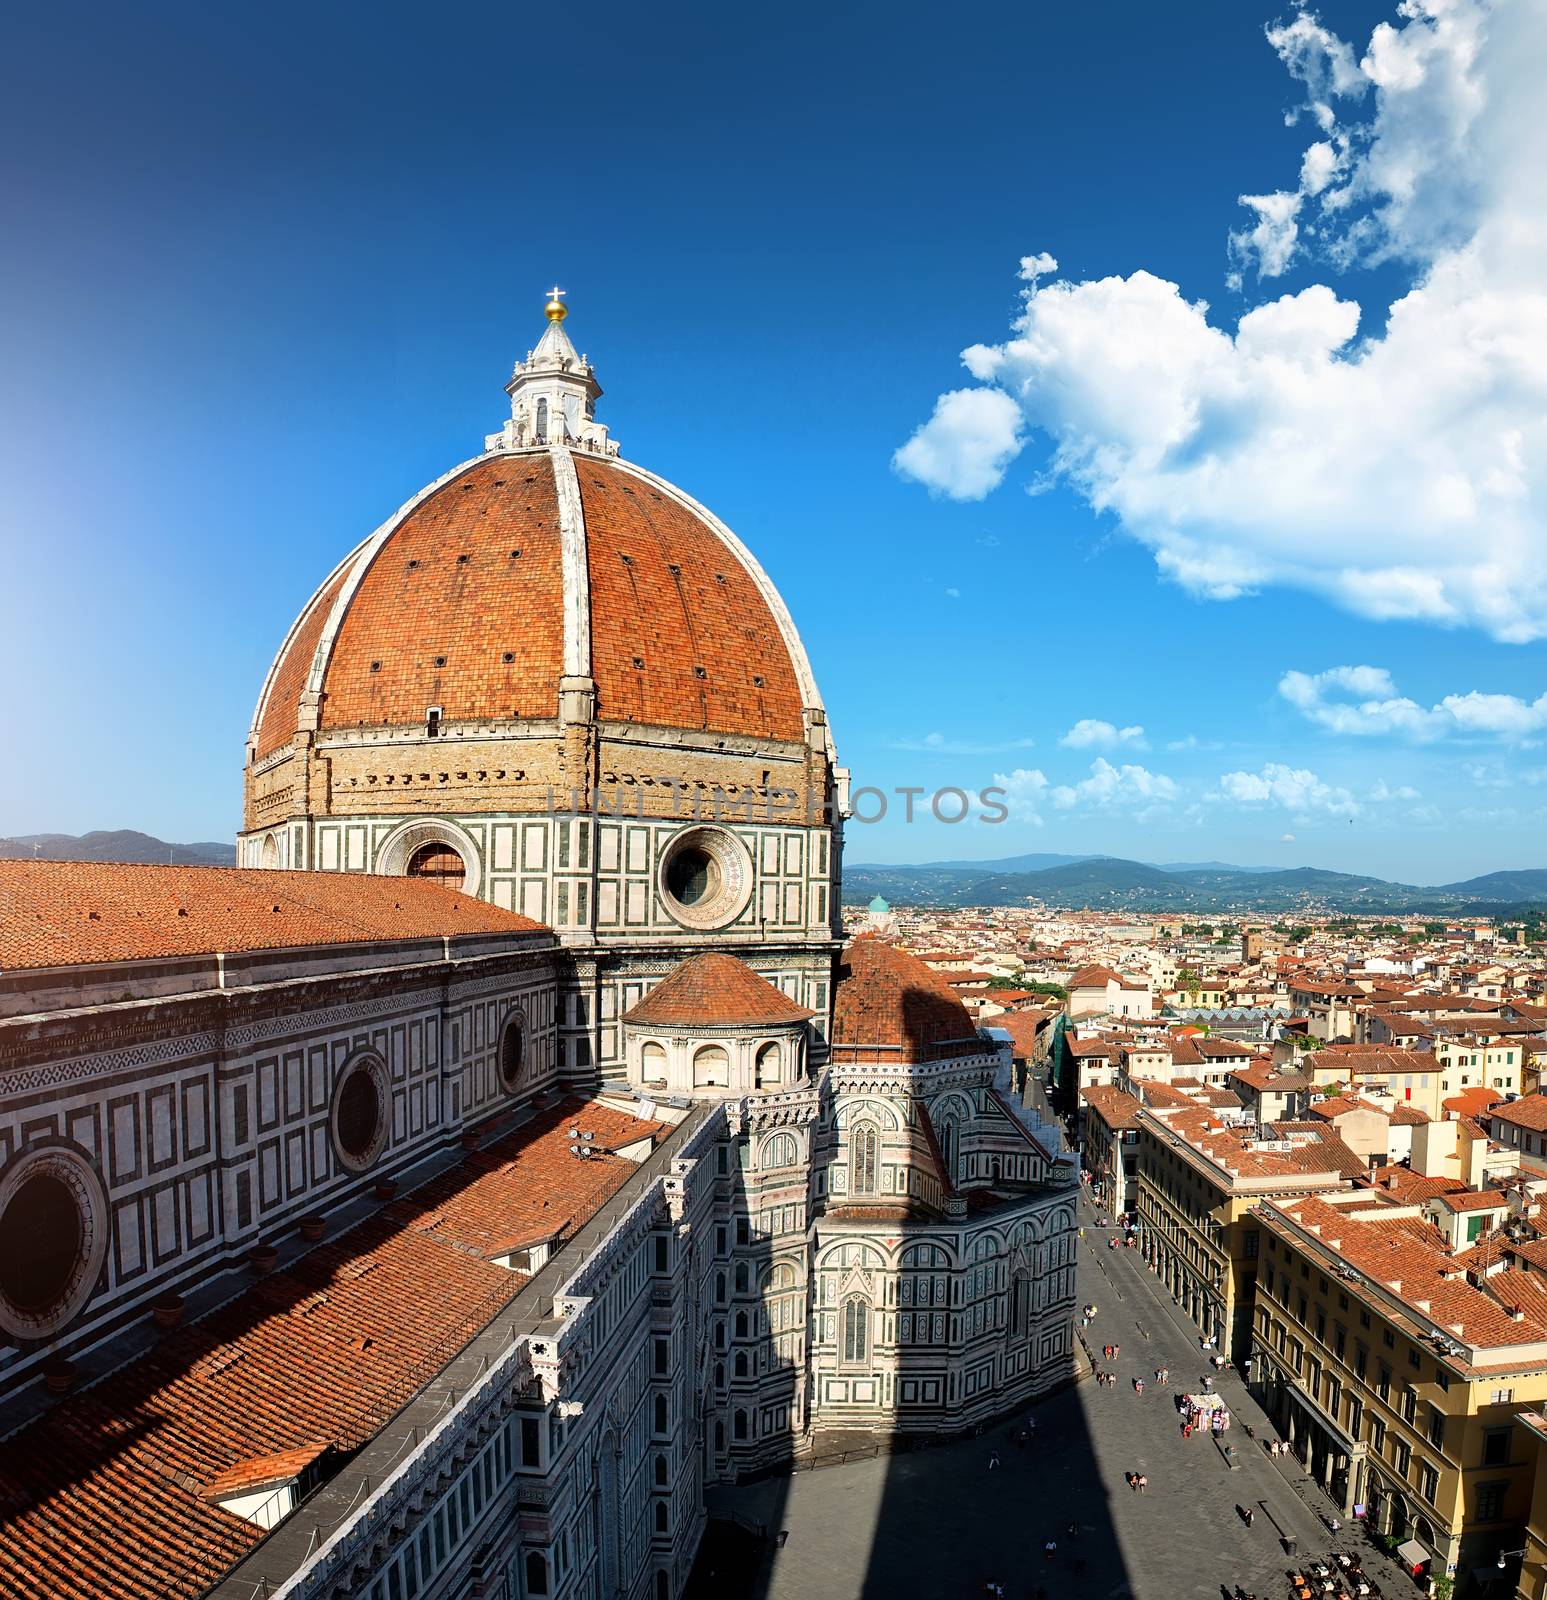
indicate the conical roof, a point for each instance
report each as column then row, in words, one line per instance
column 711, row 989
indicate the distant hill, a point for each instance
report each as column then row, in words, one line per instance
column 121, row 844
column 1529, row 883
column 1111, row 883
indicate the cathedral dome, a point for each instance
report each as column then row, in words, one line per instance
column 543, row 565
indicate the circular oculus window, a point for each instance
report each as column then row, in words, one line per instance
column 705, row 877
column 359, row 1115
column 52, row 1242
column 512, row 1050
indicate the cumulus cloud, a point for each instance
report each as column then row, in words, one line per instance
column 1402, row 474
column 1288, row 788
column 1115, row 788
column 1024, row 792
column 964, row 448
column 1286, row 838
column 1090, row 733
column 1365, row 701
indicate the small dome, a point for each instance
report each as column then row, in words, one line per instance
column 878, row 907
column 889, row 1007
column 715, row 990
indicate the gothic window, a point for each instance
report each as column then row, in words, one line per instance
column 1020, row 1304
column 739, row 1425
column 863, row 1147
column 741, row 1363
column 660, row 1414
column 780, row 1150
column 948, row 1149
column 536, row 1573
column 741, row 1324
column 542, row 422
column 660, row 1516
column 743, row 1280
column 856, row 1331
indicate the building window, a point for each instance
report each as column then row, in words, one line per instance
column 856, row 1331
column 780, row 1150
column 1436, row 1428
column 359, row 1114
column 439, row 863
column 1490, row 1501
column 1428, row 1481
column 1496, row 1447
column 512, row 1049
column 536, row 1573
column 863, row 1146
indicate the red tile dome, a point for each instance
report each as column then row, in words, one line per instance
column 888, row 1006
column 524, row 566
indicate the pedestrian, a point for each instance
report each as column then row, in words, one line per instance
column 1144, row 1482
column 993, row 1460
column 1050, row 1549
column 1251, row 1516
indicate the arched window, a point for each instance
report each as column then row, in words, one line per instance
column 719, row 1374
column 439, row 863
column 741, row 1324
column 741, row 1363
column 711, row 1068
column 766, row 1067
column 662, row 1587
column 780, row 1150
column 864, row 1143
column 743, row 1280
column 1020, row 1304
column 660, row 1469
column 856, row 1331
column 739, row 1424
column 542, row 422
column 947, row 1135
column 719, row 1287
column 660, row 1516
column 660, row 1414
column 536, row 1572
column 652, row 1063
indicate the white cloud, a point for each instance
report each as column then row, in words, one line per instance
column 1090, row 733
column 1364, row 700
column 1403, row 475
column 1286, row 838
column 964, row 448
column 1193, row 742
column 1116, row 788
column 1289, row 788
column 939, row 744
column 953, row 594
column 1024, row 791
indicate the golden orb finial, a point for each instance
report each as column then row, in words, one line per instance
column 556, row 310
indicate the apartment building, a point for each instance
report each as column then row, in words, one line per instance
column 1395, row 1366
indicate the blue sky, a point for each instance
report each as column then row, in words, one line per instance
column 269, row 271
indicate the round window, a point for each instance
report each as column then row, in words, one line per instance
column 360, row 1102
column 51, row 1242
column 513, row 1050
column 705, row 877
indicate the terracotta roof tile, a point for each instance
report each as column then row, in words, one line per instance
column 107, row 1493
column 714, row 988
column 72, row 913
column 887, row 1005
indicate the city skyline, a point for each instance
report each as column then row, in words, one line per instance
column 204, row 414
